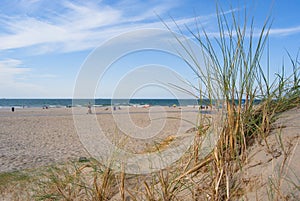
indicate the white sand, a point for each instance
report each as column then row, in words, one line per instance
column 274, row 173
column 33, row 137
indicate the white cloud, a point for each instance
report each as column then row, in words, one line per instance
column 80, row 26
column 76, row 26
column 30, row 31
column 12, row 79
column 285, row 31
column 9, row 68
column 86, row 17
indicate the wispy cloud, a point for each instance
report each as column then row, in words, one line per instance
column 78, row 25
column 81, row 26
column 12, row 79
column 9, row 68
column 285, row 31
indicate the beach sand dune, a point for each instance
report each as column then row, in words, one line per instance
column 273, row 171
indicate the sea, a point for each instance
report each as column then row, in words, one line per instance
column 58, row 103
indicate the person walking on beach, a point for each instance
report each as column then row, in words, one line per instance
column 89, row 108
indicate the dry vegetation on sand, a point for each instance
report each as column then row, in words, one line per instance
column 254, row 138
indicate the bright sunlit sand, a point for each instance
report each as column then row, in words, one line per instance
column 34, row 137
column 149, row 100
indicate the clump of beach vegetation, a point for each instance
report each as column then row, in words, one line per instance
column 233, row 66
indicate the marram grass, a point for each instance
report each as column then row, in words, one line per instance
column 233, row 77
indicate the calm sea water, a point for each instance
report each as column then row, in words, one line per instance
column 98, row 102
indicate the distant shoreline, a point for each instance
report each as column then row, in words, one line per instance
column 60, row 103
column 66, row 102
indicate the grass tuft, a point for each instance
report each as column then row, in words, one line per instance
column 232, row 77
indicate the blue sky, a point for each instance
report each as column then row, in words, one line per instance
column 44, row 43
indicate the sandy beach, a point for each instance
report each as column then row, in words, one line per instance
column 34, row 137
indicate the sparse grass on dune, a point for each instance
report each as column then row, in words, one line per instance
column 232, row 63
column 7, row 177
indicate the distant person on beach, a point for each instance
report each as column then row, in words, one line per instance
column 12, row 109
column 89, row 108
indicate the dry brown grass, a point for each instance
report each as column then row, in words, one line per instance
column 238, row 73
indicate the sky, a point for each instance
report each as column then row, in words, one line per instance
column 45, row 45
